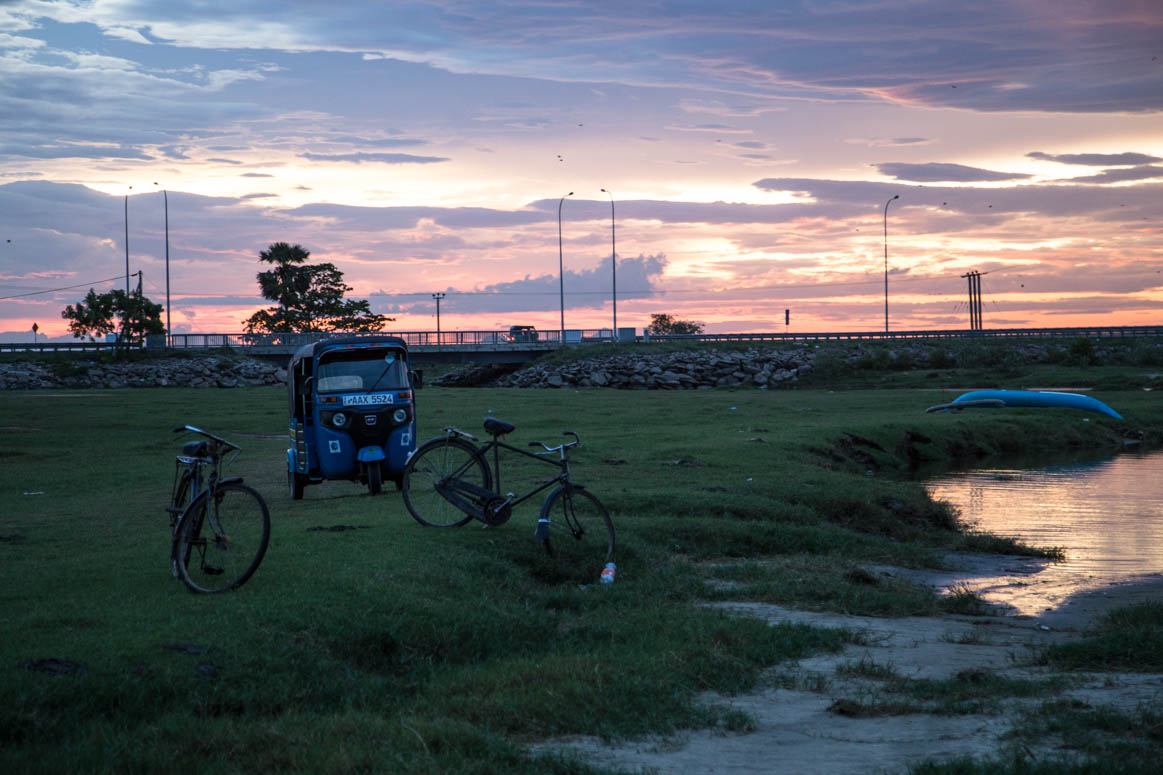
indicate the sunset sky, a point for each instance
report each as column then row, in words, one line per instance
column 749, row 148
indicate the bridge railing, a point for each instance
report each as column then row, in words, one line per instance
column 452, row 339
column 544, row 339
column 1097, row 332
column 55, row 347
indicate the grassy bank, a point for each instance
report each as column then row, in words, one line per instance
column 374, row 644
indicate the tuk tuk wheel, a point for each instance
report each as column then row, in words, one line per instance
column 375, row 478
column 295, row 484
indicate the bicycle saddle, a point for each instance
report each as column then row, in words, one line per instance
column 498, row 427
column 195, row 449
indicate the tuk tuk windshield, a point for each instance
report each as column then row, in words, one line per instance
column 347, row 371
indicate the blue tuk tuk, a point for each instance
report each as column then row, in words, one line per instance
column 352, row 412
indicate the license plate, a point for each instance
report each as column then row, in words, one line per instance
column 374, row 398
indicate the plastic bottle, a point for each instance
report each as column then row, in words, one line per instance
column 608, row 573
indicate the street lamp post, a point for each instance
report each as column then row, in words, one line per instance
column 897, row 196
column 561, row 266
column 613, row 264
column 438, row 296
column 127, row 243
column 166, row 202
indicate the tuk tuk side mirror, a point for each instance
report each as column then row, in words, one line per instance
column 416, row 377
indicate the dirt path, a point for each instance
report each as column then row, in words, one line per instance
column 810, row 727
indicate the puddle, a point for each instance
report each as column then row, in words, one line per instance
column 1107, row 516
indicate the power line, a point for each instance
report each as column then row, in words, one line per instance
column 663, row 291
column 66, row 288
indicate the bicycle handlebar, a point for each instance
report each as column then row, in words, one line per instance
column 219, row 439
column 566, row 445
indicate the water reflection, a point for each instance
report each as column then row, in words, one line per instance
column 1106, row 515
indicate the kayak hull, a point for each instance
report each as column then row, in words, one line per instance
column 1034, row 398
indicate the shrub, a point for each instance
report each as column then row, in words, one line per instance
column 1081, row 352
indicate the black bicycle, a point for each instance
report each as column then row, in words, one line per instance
column 219, row 527
column 448, row 482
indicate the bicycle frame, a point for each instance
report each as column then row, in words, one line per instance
column 484, row 494
column 205, row 471
column 185, row 468
column 451, row 481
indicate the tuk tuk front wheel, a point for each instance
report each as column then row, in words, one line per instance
column 375, row 478
column 295, row 484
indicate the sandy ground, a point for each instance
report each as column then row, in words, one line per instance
column 798, row 730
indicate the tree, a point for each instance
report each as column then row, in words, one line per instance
column 666, row 324
column 98, row 314
column 309, row 296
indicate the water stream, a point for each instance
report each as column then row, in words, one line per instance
column 1106, row 515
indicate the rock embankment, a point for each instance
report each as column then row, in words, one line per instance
column 199, row 372
column 686, row 370
column 771, row 367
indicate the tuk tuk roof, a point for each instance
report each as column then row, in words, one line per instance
column 313, row 349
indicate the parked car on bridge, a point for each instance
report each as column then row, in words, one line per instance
column 522, row 334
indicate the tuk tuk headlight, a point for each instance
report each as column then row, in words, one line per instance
column 339, row 419
column 399, row 416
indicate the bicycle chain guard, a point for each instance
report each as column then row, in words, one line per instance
column 496, row 512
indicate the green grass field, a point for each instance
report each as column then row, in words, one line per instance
column 377, row 645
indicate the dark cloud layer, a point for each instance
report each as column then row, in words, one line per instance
column 372, row 158
column 1097, row 159
column 935, row 172
column 1122, row 175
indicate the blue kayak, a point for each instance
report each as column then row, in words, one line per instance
column 1039, row 398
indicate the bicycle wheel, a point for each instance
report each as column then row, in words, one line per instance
column 431, row 468
column 581, row 535
column 222, row 538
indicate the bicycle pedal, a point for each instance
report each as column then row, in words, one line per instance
column 212, row 570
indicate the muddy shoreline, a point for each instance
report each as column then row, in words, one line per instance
column 800, row 726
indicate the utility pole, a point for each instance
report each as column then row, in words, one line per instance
column 974, row 279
